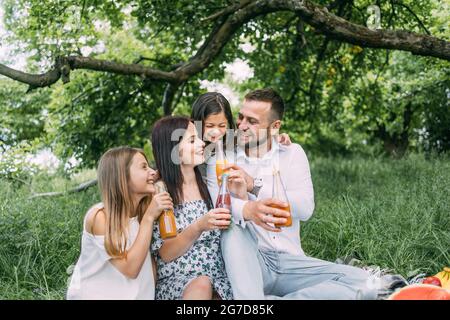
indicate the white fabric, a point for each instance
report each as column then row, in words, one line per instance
column 96, row 278
column 294, row 169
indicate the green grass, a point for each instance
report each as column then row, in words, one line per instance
column 394, row 214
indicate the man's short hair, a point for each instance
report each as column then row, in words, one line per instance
column 268, row 95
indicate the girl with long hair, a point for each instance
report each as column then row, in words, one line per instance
column 115, row 261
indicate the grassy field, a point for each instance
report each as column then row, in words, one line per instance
column 394, row 214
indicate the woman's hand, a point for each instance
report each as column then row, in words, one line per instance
column 219, row 218
column 160, row 202
column 284, row 139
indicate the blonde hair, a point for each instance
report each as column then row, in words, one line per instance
column 113, row 180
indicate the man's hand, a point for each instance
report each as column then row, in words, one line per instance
column 262, row 213
column 239, row 172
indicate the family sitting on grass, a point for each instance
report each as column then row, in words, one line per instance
column 217, row 254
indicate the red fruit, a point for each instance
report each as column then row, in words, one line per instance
column 421, row 292
column 432, row 280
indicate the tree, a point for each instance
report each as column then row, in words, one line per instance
column 155, row 51
column 225, row 24
column 21, row 115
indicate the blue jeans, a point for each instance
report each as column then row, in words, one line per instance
column 258, row 274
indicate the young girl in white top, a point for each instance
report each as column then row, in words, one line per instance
column 115, row 261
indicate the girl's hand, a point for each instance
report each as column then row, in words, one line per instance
column 240, row 181
column 219, row 218
column 160, row 202
column 284, row 139
column 237, row 183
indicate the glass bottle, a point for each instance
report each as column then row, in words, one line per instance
column 167, row 224
column 279, row 193
column 221, row 161
column 224, row 197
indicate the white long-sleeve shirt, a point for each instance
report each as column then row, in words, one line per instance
column 293, row 165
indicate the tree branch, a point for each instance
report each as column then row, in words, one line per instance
column 300, row 29
column 2, row 144
column 324, row 22
column 228, row 10
column 81, row 187
column 340, row 5
column 392, row 15
column 386, row 61
column 340, row 29
column 319, row 59
column 180, row 94
column 77, row 62
column 34, row 80
column 414, row 15
column 120, row 68
column 169, row 94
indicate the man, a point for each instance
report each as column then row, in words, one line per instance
column 263, row 261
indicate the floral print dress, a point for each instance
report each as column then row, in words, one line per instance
column 203, row 258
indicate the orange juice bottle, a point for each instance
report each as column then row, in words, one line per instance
column 167, row 223
column 221, row 161
column 279, row 193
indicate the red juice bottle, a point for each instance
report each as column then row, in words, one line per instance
column 224, row 197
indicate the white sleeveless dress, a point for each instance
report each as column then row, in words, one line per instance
column 95, row 277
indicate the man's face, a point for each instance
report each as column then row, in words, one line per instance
column 253, row 123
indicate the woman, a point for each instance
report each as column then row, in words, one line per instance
column 190, row 266
column 115, row 262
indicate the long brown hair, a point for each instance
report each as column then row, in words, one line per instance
column 170, row 173
column 113, row 180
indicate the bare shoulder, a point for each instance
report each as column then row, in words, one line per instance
column 96, row 220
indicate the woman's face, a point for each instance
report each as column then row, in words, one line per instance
column 142, row 176
column 215, row 127
column 191, row 147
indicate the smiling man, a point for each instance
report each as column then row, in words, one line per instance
column 263, row 261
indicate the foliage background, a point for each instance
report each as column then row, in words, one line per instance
column 341, row 99
column 354, row 110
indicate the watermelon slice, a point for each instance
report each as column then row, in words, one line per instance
column 421, row 292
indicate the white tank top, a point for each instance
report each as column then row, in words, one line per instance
column 95, row 277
